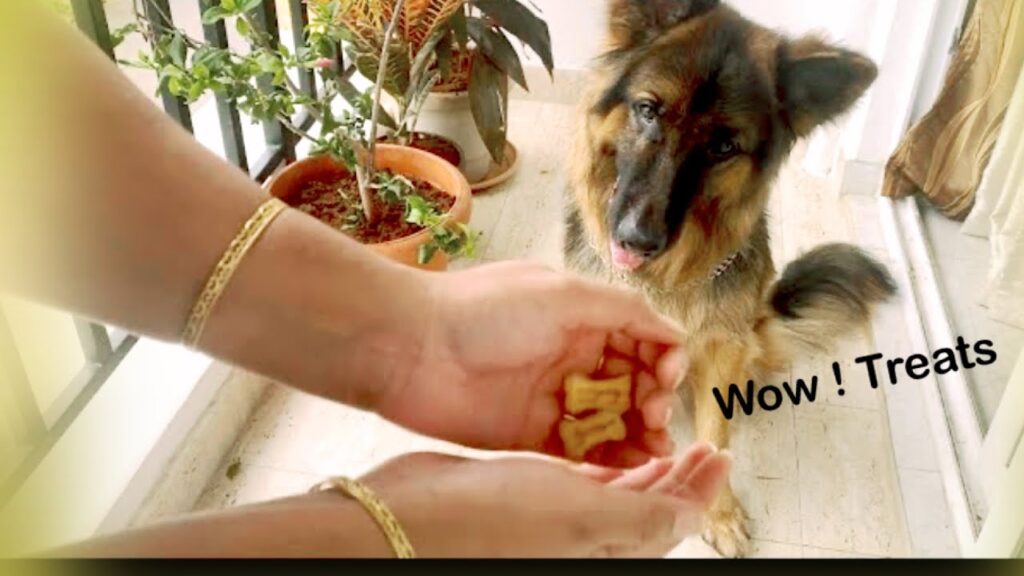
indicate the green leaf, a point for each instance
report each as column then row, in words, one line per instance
column 417, row 210
column 229, row 5
column 458, row 23
column 418, row 78
column 174, row 86
column 178, row 50
column 427, row 252
column 117, row 36
column 201, row 72
column 393, row 188
column 215, row 14
column 522, row 23
column 195, row 91
column 215, row 59
column 446, row 54
column 367, row 62
column 352, row 95
column 243, row 28
column 169, row 71
column 249, row 5
column 472, row 238
column 494, row 45
column 423, row 57
column 488, row 95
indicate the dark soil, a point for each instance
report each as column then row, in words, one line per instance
column 435, row 145
column 336, row 203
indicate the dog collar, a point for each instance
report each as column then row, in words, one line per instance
column 715, row 274
column 723, row 266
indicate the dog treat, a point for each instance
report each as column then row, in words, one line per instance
column 615, row 367
column 583, row 394
column 579, row 436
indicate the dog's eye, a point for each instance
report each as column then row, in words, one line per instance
column 724, row 148
column 646, row 110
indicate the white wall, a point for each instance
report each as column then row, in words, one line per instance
column 578, row 26
column 577, row 31
column 844, row 21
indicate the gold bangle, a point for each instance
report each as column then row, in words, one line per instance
column 380, row 513
column 225, row 269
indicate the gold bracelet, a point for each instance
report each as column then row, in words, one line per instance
column 225, row 269
column 380, row 513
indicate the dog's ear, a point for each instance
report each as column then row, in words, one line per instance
column 635, row 22
column 817, row 82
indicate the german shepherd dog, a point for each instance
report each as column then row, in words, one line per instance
column 686, row 122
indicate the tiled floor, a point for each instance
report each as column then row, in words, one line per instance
column 819, row 480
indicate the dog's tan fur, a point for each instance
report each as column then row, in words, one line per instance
column 734, row 329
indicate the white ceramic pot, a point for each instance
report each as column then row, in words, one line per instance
column 450, row 115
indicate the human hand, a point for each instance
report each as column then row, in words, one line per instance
column 532, row 508
column 495, row 343
column 458, row 508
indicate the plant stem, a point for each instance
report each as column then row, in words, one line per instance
column 378, row 88
column 146, row 22
column 286, row 121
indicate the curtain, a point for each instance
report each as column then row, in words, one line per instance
column 945, row 155
column 999, row 216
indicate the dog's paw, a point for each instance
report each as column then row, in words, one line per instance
column 726, row 530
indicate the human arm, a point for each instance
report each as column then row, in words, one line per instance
column 474, row 357
column 458, row 508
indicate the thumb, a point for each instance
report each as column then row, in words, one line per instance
column 652, row 523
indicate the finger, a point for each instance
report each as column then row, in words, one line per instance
column 708, row 478
column 684, row 468
column 598, row 306
column 618, row 455
column 622, row 344
column 615, row 366
column 642, row 478
column 671, row 367
column 657, row 409
column 600, row 474
column 644, row 524
column 587, row 357
column 650, row 524
column 658, row 443
column 648, row 353
column 645, row 386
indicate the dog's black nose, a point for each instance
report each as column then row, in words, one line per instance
column 641, row 240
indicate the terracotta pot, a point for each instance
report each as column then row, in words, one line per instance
column 401, row 160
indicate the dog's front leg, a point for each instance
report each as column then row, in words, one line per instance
column 720, row 363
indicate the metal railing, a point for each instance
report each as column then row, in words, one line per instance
column 91, row 20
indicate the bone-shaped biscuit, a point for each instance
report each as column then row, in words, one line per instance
column 583, row 394
column 579, row 436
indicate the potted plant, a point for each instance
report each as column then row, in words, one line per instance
column 465, row 95
column 407, row 204
column 412, row 68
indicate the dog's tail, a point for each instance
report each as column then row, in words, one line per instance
column 820, row 297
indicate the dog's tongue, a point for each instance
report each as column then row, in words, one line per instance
column 624, row 259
